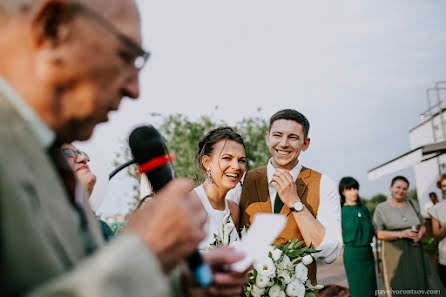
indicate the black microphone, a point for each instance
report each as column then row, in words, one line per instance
column 150, row 152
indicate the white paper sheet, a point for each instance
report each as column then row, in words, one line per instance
column 261, row 234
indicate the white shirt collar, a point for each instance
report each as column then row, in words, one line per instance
column 45, row 136
column 270, row 170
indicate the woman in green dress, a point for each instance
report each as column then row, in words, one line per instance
column 357, row 233
column 406, row 266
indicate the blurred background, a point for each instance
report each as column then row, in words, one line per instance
column 358, row 70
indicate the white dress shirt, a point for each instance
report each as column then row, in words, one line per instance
column 328, row 213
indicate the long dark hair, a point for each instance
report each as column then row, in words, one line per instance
column 208, row 141
column 348, row 183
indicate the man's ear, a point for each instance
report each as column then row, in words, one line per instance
column 306, row 144
column 50, row 22
column 267, row 138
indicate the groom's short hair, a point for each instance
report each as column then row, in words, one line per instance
column 292, row 115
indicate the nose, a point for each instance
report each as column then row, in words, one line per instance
column 81, row 159
column 283, row 141
column 235, row 164
column 131, row 85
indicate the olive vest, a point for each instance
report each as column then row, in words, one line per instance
column 255, row 198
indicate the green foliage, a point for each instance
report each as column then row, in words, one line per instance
column 412, row 195
column 253, row 132
column 182, row 136
column 121, row 157
column 430, row 245
column 373, row 202
column 116, row 226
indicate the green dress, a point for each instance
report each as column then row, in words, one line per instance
column 357, row 233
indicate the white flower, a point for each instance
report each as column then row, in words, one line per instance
column 262, row 281
column 295, row 288
column 227, row 229
column 282, row 294
column 257, row 292
column 266, row 267
column 285, row 276
column 274, row 291
column 308, row 259
column 243, row 231
column 301, row 272
column 282, row 265
column 276, row 253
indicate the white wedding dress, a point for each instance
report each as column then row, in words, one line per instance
column 219, row 222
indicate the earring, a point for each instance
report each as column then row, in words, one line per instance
column 209, row 176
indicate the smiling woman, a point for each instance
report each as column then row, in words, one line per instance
column 222, row 158
column 400, row 226
column 78, row 161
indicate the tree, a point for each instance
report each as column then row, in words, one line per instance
column 182, row 136
column 253, row 133
column 412, row 195
column 120, row 158
column 373, row 202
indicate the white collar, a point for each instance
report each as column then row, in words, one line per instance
column 270, row 170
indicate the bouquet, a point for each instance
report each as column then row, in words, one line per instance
column 282, row 272
column 226, row 229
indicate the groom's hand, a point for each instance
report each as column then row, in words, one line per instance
column 283, row 182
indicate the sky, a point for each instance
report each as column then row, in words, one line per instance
column 357, row 69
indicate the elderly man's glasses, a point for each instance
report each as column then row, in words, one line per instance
column 140, row 55
column 69, row 153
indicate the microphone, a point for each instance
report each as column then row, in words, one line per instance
column 150, row 152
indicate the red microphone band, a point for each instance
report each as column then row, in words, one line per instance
column 155, row 163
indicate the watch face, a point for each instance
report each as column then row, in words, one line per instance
column 298, row 206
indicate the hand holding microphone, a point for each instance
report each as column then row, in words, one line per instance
column 173, row 223
column 170, row 226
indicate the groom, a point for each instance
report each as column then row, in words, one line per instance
column 308, row 198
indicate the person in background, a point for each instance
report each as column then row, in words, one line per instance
column 400, row 226
column 357, row 233
column 438, row 215
column 78, row 161
column 433, row 199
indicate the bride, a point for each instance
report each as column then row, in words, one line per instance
column 222, row 159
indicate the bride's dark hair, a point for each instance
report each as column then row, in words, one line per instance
column 208, row 141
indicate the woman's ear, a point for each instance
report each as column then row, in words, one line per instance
column 206, row 161
column 50, row 21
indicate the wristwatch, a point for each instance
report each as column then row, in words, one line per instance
column 297, row 206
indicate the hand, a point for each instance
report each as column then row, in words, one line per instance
column 172, row 224
column 283, row 182
column 420, row 233
column 226, row 283
column 409, row 233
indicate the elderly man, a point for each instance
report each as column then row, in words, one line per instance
column 63, row 66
